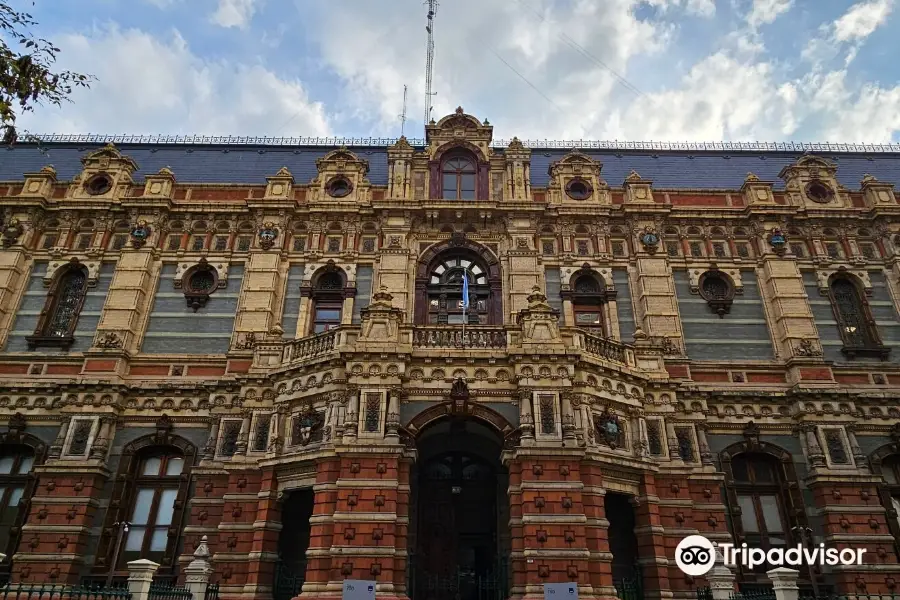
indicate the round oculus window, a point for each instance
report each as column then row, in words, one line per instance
column 819, row 192
column 578, row 189
column 338, row 187
column 98, row 185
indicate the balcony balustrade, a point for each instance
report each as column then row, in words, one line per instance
column 476, row 337
column 453, row 337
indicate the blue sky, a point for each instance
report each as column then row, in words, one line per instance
column 672, row 70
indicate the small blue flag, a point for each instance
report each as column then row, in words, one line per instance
column 465, row 291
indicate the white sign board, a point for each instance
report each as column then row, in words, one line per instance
column 358, row 589
column 561, row 591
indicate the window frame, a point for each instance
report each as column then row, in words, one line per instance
column 588, row 302
column 124, row 493
column 789, row 492
column 159, row 484
column 53, row 303
column 331, row 298
column 457, row 174
column 872, row 345
column 15, row 441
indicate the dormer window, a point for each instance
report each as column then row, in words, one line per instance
column 458, row 178
column 339, row 187
column 578, row 189
column 98, row 185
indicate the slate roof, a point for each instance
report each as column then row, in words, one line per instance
column 251, row 164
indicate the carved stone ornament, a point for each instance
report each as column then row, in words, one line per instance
column 108, row 339
column 267, row 235
column 650, row 240
column 607, row 428
column 140, row 232
column 308, row 422
column 670, row 348
column 778, row 242
column 11, row 232
column 807, row 348
column 247, row 342
column 751, row 435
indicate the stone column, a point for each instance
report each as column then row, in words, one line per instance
column 351, row 421
column 672, row 439
column 197, row 573
column 140, row 577
column 813, row 450
column 567, row 416
column 56, row 447
column 652, row 543
column 244, row 435
column 706, row 456
column 209, row 449
column 527, row 417
column 859, row 457
column 721, row 579
column 784, row 583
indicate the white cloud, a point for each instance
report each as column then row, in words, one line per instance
column 150, row 85
column 764, row 12
column 862, row 19
column 704, row 8
column 234, row 13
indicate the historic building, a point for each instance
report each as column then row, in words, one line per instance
column 267, row 343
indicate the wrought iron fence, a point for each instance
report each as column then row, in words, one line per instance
column 804, row 596
column 460, row 583
column 212, row 592
column 750, row 593
column 288, row 582
column 169, row 591
column 21, row 591
column 94, row 138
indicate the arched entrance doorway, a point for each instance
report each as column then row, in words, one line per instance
column 460, row 543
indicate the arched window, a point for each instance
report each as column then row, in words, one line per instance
column 16, row 462
column 147, row 504
column 56, row 326
column 154, row 502
column 445, row 291
column 328, row 293
column 855, row 323
column 760, row 507
column 590, row 298
column 890, row 493
column 458, row 177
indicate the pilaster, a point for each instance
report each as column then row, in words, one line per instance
column 258, row 306
column 128, row 303
column 61, row 517
column 656, row 305
column 14, row 268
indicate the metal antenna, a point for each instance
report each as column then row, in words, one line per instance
column 429, row 59
column 403, row 114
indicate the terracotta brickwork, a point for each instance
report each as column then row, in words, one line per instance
column 643, row 356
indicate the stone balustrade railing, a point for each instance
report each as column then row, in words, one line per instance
column 452, row 336
column 310, row 346
column 606, row 348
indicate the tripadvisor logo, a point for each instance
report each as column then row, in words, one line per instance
column 696, row 555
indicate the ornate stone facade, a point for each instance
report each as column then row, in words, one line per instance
column 270, row 347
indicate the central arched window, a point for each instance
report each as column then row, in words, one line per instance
column 155, row 500
column 16, row 462
column 445, row 291
column 590, row 301
column 328, row 293
column 458, row 177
